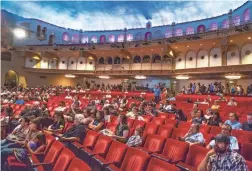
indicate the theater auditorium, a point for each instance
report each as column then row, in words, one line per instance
column 126, row 86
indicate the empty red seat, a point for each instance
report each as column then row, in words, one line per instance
column 150, row 129
column 158, row 121
column 138, row 124
column 134, row 160
column 64, row 160
column 153, row 144
column 165, row 131
column 157, row 164
column 115, row 155
column 215, row 130
column 246, row 151
column 249, row 164
column 179, row 132
column 174, row 151
column 171, row 123
column 205, row 129
column 130, row 122
column 67, row 126
column 147, row 118
column 111, row 126
column 78, row 165
column 195, row 155
column 184, row 124
column 242, row 136
column 101, row 147
column 163, row 115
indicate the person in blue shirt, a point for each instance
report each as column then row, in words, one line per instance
column 157, row 93
column 226, row 129
column 234, row 121
column 20, row 100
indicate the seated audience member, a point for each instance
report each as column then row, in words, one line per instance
column 247, row 126
column 222, row 158
column 76, row 100
column 58, row 123
column 75, row 133
column 62, row 107
column 222, row 98
column 199, row 117
column 209, row 98
column 234, row 121
column 180, row 116
column 226, row 129
column 208, row 114
column 18, row 134
column 97, row 101
column 136, row 139
column 98, row 123
column 122, row 129
column 132, row 114
column 215, row 120
column 232, row 102
column 193, row 136
column 193, row 115
column 68, row 96
column 74, row 110
column 139, row 117
column 35, row 111
column 20, row 100
column 87, row 117
column 8, row 114
column 189, row 100
column 215, row 106
column 195, row 107
column 26, row 109
column 107, row 117
column 35, row 146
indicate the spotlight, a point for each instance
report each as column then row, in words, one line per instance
column 19, row 33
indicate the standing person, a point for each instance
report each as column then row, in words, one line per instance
column 222, row 158
column 157, row 93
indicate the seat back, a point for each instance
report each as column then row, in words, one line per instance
column 53, row 152
column 67, row 126
column 185, row 125
column 154, row 143
column 157, row 164
column 195, row 155
column 242, row 136
column 165, row 131
column 205, row 129
column 135, row 160
column 116, row 152
column 171, row 123
column 147, row 118
column 111, row 126
column 179, row 132
column 130, row 122
column 150, row 129
column 175, row 150
column 138, row 124
column 49, row 140
column 90, row 138
column 215, row 130
column 102, row 144
column 249, row 164
column 246, row 151
column 158, row 121
column 78, row 165
column 64, row 160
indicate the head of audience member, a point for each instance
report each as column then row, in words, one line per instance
column 35, row 125
column 62, row 104
column 194, row 128
column 57, row 116
column 200, row 114
column 216, row 115
column 216, row 103
column 233, row 117
column 99, row 116
column 25, row 121
column 106, row 111
column 226, row 129
column 134, row 110
column 122, row 120
column 195, row 107
column 222, row 144
column 249, row 118
column 193, row 114
column 35, row 105
column 179, row 114
column 20, row 97
column 78, row 119
column 40, row 139
column 44, row 107
column 209, row 112
column 139, row 131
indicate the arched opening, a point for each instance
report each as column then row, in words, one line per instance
column 117, row 60
column 146, row 59
column 201, row 29
column 179, row 32
column 110, row 60
column 125, row 61
column 225, row 24
column 84, row 39
column 137, row 59
column 38, row 31
column 168, row 33
column 148, row 36
column 236, row 20
column 93, row 39
column 158, row 34
column 214, row 26
column 156, row 58
column 167, row 59
column 246, row 15
column 51, row 39
column 120, row 38
column 75, row 38
column 65, row 37
column 102, row 39
column 11, row 79
column 189, row 30
column 101, row 61
column 112, row 38
column 129, row 37
column 44, row 32
column 139, row 36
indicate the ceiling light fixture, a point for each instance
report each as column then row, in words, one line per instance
column 249, row 38
column 19, row 33
column 182, row 77
column 233, row 76
column 231, row 40
column 188, row 46
column 36, row 57
column 69, row 76
column 104, row 77
column 140, row 77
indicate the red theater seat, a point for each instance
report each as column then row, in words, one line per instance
column 134, row 160
column 195, row 155
column 246, row 151
column 130, row 122
column 101, row 147
column 215, row 130
column 249, row 164
column 185, row 125
column 242, row 136
column 78, row 165
column 205, row 129
column 165, row 131
column 153, row 144
column 111, row 126
column 179, row 132
column 138, row 124
column 114, row 156
column 174, row 151
column 158, row 121
column 64, row 160
column 158, row 165
column 149, row 129
column 171, row 123
column 163, row 115
column 147, row 118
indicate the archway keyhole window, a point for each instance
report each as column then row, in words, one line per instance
column 84, row 39
column 110, row 60
column 44, row 32
column 51, row 39
column 214, row 26
column 93, row 39
column 101, row 60
column 156, row 59
column 168, row 34
column 189, row 30
column 117, row 60
column 65, row 37
column 137, row 59
column 246, row 15
column 236, row 20
column 38, row 31
column 112, row 38
column 120, row 38
column 179, row 32
column 75, row 38
column 129, row 37
column 225, row 24
column 201, row 29
column 148, row 36
column 102, row 39
column 146, row 59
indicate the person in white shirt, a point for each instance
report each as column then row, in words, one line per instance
column 232, row 102
column 68, row 96
column 132, row 114
column 61, row 107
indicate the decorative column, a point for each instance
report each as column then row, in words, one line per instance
column 125, row 38
column 173, row 29
column 230, row 18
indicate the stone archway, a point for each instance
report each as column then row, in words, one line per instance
column 11, row 79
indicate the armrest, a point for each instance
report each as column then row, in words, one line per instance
column 183, row 166
column 105, row 164
column 161, row 157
